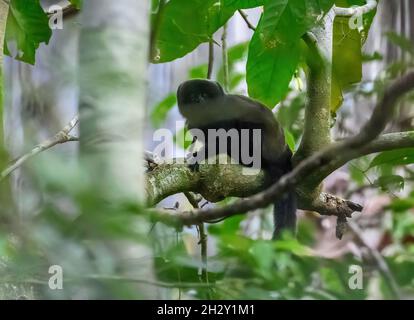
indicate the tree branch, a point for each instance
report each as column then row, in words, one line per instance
column 210, row 59
column 359, row 10
column 386, row 142
column 61, row 137
column 225, row 58
column 217, row 181
column 370, row 131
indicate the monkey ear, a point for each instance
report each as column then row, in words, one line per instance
column 220, row 87
column 179, row 94
column 179, row 89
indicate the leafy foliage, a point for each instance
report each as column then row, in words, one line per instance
column 27, row 28
column 244, row 4
column 187, row 24
column 274, row 51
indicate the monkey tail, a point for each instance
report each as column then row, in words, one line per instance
column 285, row 215
column 284, row 212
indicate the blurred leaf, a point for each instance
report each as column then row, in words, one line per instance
column 290, row 117
column 357, row 174
column 76, row 3
column 236, row 54
column 392, row 183
column 179, row 139
column 160, row 111
column 290, row 140
column 346, row 61
column 27, row 27
column 290, row 244
column 228, row 226
column 402, row 268
column 394, row 157
column 263, row 253
column 400, row 205
column 331, row 280
column 198, row 72
column 402, row 42
column 376, row 56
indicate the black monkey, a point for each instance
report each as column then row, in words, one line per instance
column 205, row 106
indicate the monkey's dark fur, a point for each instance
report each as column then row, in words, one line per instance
column 205, row 106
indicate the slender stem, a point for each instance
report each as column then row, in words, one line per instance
column 61, row 137
column 210, row 59
column 202, row 241
column 379, row 260
column 225, row 59
column 182, row 285
column 245, row 18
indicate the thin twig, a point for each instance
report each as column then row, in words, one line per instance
column 379, row 260
column 202, row 241
column 225, row 58
column 210, row 59
column 67, row 10
column 245, row 18
column 182, row 285
column 59, row 138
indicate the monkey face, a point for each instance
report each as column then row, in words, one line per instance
column 198, row 91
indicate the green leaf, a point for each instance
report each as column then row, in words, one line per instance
column 290, row 140
column 198, row 72
column 180, row 139
column 401, row 205
column 274, row 50
column 393, row 183
column 76, row 3
column 228, row 226
column 290, row 115
column 244, row 4
column 394, row 157
column 186, row 24
column 402, row 42
column 347, row 56
column 288, row 20
column 346, row 60
column 27, row 27
column 161, row 110
column 270, row 67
